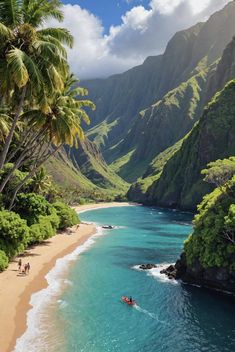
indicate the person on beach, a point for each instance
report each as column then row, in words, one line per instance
column 19, row 264
column 24, row 271
column 28, row 268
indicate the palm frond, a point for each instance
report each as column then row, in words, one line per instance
column 15, row 61
column 60, row 34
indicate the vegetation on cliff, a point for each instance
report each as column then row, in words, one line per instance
column 213, row 240
column 181, row 183
column 169, row 90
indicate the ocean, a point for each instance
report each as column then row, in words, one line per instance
column 89, row 316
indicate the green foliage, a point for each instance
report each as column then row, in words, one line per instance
column 181, row 183
column 209, row 242
column 68, row 217
column 14, row 233
column 17, row 177
column 219, row 171
column 3, row 260
column 44, row 229
column 31, row 206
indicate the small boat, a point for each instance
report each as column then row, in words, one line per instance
column 107, row 227
column 128, row 301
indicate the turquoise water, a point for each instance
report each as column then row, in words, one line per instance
column 169, row 316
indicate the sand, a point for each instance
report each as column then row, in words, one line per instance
column 81, row 208
column 16, row 289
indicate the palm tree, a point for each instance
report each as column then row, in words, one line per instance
column 60, row 125
column 33, row 61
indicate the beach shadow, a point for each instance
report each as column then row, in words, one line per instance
column 29, row 254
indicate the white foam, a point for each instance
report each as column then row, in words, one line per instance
column 33, row 339
column 62, row 304
column 155, row 272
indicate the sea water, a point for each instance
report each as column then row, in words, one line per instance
column 168, row 317
column 89, row 315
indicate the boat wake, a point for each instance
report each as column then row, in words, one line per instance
column 149, row 314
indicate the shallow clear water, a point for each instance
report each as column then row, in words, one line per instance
column 169, row 316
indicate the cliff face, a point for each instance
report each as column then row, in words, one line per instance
column 186, row 188
column 181, row 184
column 209, row 253
column 117, row 125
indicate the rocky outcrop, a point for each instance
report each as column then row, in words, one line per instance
column 147, row 266
column 216, row 278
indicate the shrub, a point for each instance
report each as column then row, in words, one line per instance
column 212, row 242
column 3, row 261
column 44, row 229
column 14, row 233
column 31, row 206
column 68, row 217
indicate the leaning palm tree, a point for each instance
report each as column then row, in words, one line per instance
column 60, row 125
column 33, row 61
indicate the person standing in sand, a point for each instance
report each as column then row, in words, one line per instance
column 28, row 268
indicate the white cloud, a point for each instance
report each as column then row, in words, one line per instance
column 142, row 32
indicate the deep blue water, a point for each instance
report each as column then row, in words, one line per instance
column 169, row 317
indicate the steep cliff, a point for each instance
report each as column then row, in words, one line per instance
column 216, row 79
column 180, row 184
column 209, row 253
column 117, row 125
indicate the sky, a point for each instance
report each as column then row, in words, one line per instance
column 112, row 36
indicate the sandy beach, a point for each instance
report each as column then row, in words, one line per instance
column 84, row 207
column 16, row 289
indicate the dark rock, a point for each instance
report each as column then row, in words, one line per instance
column 214, row 278
column 147, row 266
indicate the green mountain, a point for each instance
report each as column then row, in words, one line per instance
column 143, row 190
column 181, row 183
column 147, row 109
column 85, row 170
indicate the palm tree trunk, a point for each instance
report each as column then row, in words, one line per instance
column 6, row 147
column 31, row 173
column 22, row 159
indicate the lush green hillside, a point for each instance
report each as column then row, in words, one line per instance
column 180, row 184
column 85, row 171
column 169, row 89
column 162, row 125
column 209, row 252
column 138, row 190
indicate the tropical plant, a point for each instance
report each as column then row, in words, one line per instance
column 68, row 217
column 14, row 233
column 33, row 61
column 31, row 206
column 220, row 171
column 3, row 260
column 212, row 241
column 58, row 126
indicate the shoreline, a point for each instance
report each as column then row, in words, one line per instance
column 94, row 206
column 16, row 290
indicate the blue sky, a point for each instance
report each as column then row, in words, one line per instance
column 111, row 36
column 109, row 11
